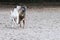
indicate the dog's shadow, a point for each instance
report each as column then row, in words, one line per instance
column 9, row 27
column 17, row 27
column 12, row 27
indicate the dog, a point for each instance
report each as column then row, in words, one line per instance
column 18, row 14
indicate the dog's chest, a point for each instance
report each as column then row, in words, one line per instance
column 21, row 16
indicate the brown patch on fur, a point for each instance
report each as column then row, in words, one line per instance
column 21, row 16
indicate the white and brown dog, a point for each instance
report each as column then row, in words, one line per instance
column 18, row 15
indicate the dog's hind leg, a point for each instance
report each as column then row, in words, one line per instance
column 20, row 23
column 23, row 22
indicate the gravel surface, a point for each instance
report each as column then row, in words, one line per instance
column 41, row 24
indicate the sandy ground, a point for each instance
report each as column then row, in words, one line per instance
column 41, row 24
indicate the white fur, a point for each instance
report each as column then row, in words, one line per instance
column 15, row 14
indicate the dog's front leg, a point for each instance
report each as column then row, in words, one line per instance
column 12, row 23
column 17, row 20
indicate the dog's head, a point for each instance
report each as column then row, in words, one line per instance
column 23, row 8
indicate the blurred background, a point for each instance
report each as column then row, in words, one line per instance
column 44, row 2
